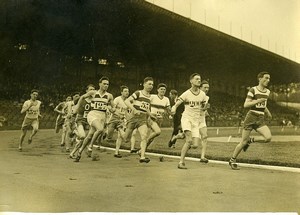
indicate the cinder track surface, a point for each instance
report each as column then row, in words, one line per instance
column 43, row 179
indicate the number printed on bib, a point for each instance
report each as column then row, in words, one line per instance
column 145, row 106
column 261, row 104
column 99, row 106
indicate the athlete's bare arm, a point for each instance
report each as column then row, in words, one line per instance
column 26, row 107
column 250, row 102
column 59, row 111
column 40, row 115
column 173, row 109
column 129, row 104
column 268, row 113
column 112, row 103
column 88, row 94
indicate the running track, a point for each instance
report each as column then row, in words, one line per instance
column 42, row 179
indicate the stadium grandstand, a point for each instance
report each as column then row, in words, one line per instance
column 61, row 46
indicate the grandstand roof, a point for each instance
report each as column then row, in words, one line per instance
column 139, row 33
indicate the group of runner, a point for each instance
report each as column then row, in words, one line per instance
column 86, row 119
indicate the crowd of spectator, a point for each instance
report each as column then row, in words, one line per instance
column 282, row 88
column 225, row 110
column 286, row 92
column 49, row 94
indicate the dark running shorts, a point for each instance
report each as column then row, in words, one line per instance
column 254, row 121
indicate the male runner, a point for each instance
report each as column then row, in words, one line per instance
column 60, row 120
column 256, row 100
column 82, row 126
column 203, row 127
column 117, row 120
column 139, row 103
column 193, row 98
column 32, row 109
column 177, row 130
column 96, row 118
column 160, row 104
column 70, row 119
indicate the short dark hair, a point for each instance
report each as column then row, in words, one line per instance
column 123, row 87
column 174, row 92
column 90, row 85
column 204, row 82
column 34, row 91
column 193, row 75
column 75, row 93
column 148, row 79
column 161, row 85
column 261, row 74
column 103, row 78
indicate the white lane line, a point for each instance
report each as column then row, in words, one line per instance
column 275, row 138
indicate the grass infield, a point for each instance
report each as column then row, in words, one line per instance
column 277, row 153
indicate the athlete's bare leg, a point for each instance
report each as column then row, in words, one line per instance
column 203, row 133
column 189, row 141
column 23, row 134
column 155, row 132
column 143, row 130
column 132, row 141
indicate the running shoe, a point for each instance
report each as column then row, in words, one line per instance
column 233, row 164
column 77, row 159
column 181, row 166
column 134, row 150
column 203, row 160
column 117, row 155
column 171, row 144
column 144, row 160
column 72, row 156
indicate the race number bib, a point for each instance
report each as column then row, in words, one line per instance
column 99, row 106
column 145, row 106
column 32, row 111
column 261, row 104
